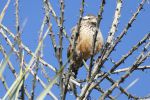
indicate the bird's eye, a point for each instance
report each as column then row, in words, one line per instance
column 93, row 23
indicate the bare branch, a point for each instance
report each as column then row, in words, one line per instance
column 73, row 43
column 85, row 88
column 4, row 11
column 139, row 61
column 24, row 47
column 142, row 68
column 95, row 36
column 115, row 22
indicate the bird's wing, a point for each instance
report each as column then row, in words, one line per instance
column 69, row 51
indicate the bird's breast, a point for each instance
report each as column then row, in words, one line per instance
column 85, row 43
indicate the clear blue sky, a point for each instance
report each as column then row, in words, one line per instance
column 32, row 12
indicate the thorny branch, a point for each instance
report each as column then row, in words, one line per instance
column 82, row 95
column 95, row 74
column 73, row 43
column 138, row 62
column 95, row 35
column 61, row 27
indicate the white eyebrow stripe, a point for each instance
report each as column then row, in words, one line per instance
column 86, row 17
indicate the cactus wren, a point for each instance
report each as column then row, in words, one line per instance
column 84, row 45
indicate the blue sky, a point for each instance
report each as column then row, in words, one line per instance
column 32, row 12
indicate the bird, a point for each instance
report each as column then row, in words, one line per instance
column 84, row 43
column 84, row 46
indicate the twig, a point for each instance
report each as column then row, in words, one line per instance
column 51, row 10
column 41, row 82
column 12, row 68
column 47, row 16
column 106, row 53
column 84, row 89
column 31, row 71
column 61, row 27
column 109, row 50
column 105, row 75
column 114, row 25
column 18, row 40
column 4, row 83
column 139, row 61
column 9, row 62
column 102, row 91
column 25, row 48
column 16, row 52
column 142, row 68
column 95, row 36
column 34, row 80
column 74, row 43
column 129, row 86
column 4, row 11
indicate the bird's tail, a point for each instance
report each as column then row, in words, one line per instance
column 74, row 72
column 72, row 85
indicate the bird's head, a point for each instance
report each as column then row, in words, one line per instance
column 91, row 19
